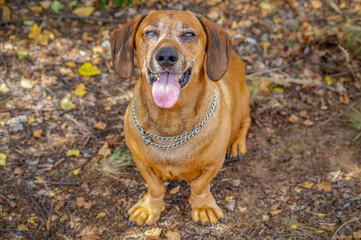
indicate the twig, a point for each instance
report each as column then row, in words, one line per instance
column 60, row 183
column 336, row 75
column 349, row 221
column 79, row 124
column 3, row 61
column 37, row 19
column 298, row 135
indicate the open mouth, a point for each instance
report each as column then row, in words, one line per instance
column 182, row 79
column 166, row 87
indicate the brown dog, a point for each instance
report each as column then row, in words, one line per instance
column 192, row 87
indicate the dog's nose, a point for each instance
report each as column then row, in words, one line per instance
column 166, row 57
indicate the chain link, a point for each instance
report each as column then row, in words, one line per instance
column 180, row 139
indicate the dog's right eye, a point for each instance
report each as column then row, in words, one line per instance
column 150, row 34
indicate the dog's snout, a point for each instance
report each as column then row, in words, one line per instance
column 166, row 57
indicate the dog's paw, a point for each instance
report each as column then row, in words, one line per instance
column 205, row 210
column 146, row 212
column 237, row 147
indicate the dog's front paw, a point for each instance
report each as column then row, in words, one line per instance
column 146, row 212
column 205, row 210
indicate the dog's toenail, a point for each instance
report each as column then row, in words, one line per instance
column 126, row 217
column 221, row 220
column 240, row 155
column 129, row 223
column 213, row 224
column 145, row 225
column 207, row 223
column 133, row 224
column 199, row 223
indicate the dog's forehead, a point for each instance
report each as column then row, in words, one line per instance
column 173, row 20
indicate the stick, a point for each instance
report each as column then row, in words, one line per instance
column 349, row 221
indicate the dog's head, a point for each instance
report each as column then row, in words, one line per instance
column 172, row 48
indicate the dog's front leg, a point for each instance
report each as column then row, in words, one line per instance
column 148, row 209
column 204, row 207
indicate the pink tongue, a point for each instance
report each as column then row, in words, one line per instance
column 166, row 90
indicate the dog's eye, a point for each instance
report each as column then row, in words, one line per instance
column 150, row 34
column 188, row 36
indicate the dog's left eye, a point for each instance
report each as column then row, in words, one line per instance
column 150, row 34
column 188, row 36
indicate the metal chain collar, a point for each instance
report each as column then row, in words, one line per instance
column 180, row 139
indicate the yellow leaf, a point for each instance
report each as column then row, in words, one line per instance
column 275, row 212
column 293, row 226
column 321, row 214
column 229, row 198
column 48, row 97
column 26, row 83
column 39, row 178
column 31, row 220
column 80, row 90
column 66, row 103
column 37, row 133
column 87, row 69
column 22, row 55
column 343, row 5
column 22, row 227
column 265, row 84
column 174, row 190
column 279, row 89
column 3, row 159
column 83, row 11
column 31, row 120
column 101, row 215
column 34, row 32
column 73, row 153
column 64, row 218
column 36, row 9
column 319, row 231
column 316, row 4
column 76, row 171
column 100, row 125
column 306, row 185
column 265, row 5
column 330, row 81
column 70, row 64
column 4, row 88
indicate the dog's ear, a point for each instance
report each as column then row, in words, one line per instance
column 122, row 43
column 218, row 51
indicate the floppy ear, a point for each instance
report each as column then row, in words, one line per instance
column 218, row 51
column 122, row 43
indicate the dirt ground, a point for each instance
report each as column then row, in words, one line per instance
column 306, row 188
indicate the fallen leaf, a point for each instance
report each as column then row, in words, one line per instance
column 242, row 209
column 229, row 198
column 328, row 227
column 18, row 171
column 56, row 5
column 66, row 72
column 293, row 226
column 214, row 15
column 308, row 122
column 64, row 218
column 80, row 90
column 70, row 64
column 30, row 121
column 73, row 153
column 83, row 11
column 293, row 118
column 321, row 214
column 6, row 13
column 324, row 187
column 101, row 215
column 4, row 88
column 22, row 227
column 100, row 125
column 37, row 133
column 22, row 55
column 36, row 9
column 265, row 5
column 45, row 4
column 316, row 4
column 293, row 3
column 174, row 190
column 76, row 171
column 3, row 159
column 357, row 235
column 319, row 231
column 39, row 178
column 153, row 233
column 306, row 185
column 66, row 103
column 173, row 235
column 26, row 83
column 90, row 236
column 275, row 212
column 104, row 150
column 82, row 203
column 87, row 69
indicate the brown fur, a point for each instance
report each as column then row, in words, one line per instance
column 199, row 160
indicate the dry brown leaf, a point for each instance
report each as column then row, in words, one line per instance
column 173, row 235
column 6, row 13
column 308, row 122
column 357, row 235
column 316, row 4
column 293, row 118
column 104, row 150
column 90, row 236
column 37, row 133
column 328, row 227
column 324, row 187
column 18, row 171
column 153, row 233
column 100, row 125
column 36, row 9
column 66, row 72
column 174, row 190
column 275, row 212
column 293, row 3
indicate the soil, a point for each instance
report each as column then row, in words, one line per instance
column 305, row 188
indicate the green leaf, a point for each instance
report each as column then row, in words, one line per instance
column 102, row 5
column 22, row 55
column 101, row 215
column 56, row 6
column 119, row 3
column 3, row 159
column 73, row 153
column 87, row 69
